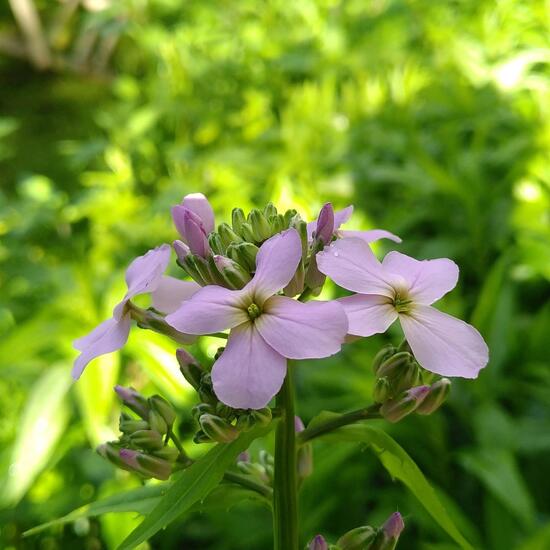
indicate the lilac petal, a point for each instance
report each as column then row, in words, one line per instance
column 276, row 264
column 195, row 234
column 144, row 274
column 370, row 236
column 368, row 314
column 107, row 337
column 429, row 280
column 302, row 330
column 325, row 224
column 249, row 372
column 211, row 309
column 198, row 204
column 340, row 218
column 444, row 344
column 351, row 264
column 171, row 292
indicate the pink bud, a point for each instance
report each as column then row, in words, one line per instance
column 393, row 526
column 325, row 224
column 195, row 234
column 199, row 205
column 129, row 458
column 318, row 543
column 298, row 424
column 181, row 250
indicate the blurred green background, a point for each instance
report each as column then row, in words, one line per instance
column 431, row 117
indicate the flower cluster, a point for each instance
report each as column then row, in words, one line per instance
column 245, row 279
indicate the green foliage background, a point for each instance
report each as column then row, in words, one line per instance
column 431, row 117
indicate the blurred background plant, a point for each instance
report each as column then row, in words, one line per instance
column 431, row 117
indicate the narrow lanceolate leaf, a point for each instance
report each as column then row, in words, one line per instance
column 141, row 500
column 193, row 485
column 401, row 466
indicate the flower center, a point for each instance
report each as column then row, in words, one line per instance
column 401, row 303
column 253, row 311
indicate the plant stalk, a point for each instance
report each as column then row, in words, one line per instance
column 285, row 497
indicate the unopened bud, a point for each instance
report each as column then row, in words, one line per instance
column 194, row 233
column 128, row 425
column 190, row 265
column 248, row 234
column 147, row 439
column 408, row 378
column 289, row 215
column 298, row 425
column 243, row 457
column 253, row 469
column 133, row 400
column 110, row 451
column 146, row 465
column 200, row 266
column 167, row 453
column 160, row 405
column 388, row 534
column 202, row 408
column 382, row 390
column 189, row 367
column 296, row 284
column 244, row 254
column 317, row 543
column 218, row 429
column 227, row 235
column 216, row 243
column 437, row 396
column 325, row 224
column 277, row 224
column 233, row 274
column 392, row 366
column 359, row 538
column 201, row 437
column 301, row 226
column 260, row 226
column 396, row 409
column 262, row 416
column 157, row 422
column 314, row 278
column 181, row 250
column 245, row 422
column 385, row 353
column 270, row 210
column 237, row 220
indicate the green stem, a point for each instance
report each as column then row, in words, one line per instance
column 337, row 422
column 285, row 498
column 249, row 483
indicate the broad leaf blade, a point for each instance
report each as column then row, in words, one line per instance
column 401, row 466
column 193, row 485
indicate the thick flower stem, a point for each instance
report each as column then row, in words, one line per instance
column 285, row 498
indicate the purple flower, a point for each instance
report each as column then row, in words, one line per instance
column 266, row 328
column 328, row 225
column 144, row 275
column 402, row 287
column 194, row 220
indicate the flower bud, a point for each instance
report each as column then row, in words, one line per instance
column 218, row 429
column 237, row 220
column 301, row 226
column 243, row 457
column 181, row 250
column 128, row 425
column 133, row 400
column 189, row 367
column 157, row 422
column 233, row 274
column 317, row 543
column 202, row 408
column 245, row 422
column 396, row 409
column 382, row 390
column 147, row 439
column 160, row 405
column 304, row 456
column 248, row 233
column 216, row 244
column 244, row 254
column 289, row 215
column 277, row 224
column 195, row 234
column 314, row 278
column 270, row 210
column 111, row 451
column 392, row 366
column 437, row 396
column 385, row 353
column 253, row 469
column 170, row 454
column 296, row 284
column 388, row 534
column 262, row 416
column 227, row 235
column 260, row 226
column 189, row 263
column 200, row 266
column 359, row 538
column 206, row 390
column 146, row 465
column 201, row 437
column 199, row 205
column 325, row 224
column 266, row 459
column 408, row 378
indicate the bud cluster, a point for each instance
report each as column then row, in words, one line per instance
column 399, row 386
column 216, row 421
column 365, row 537
column 262, row 470
column 143, row 446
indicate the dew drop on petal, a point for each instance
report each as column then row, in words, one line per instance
column 335, row 254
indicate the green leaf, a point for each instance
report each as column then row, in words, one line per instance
column 401, row 466
column 42, row 425
column 539, row 541
column 193, row 485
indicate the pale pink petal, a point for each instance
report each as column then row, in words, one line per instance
column 302, row 330
column 368, row 314
column 340, row 218
column 211, row 309
column 198, row 203
column 444, row 344
column 351, row 264
column 429, row 280
column 276, row 264
column 109, row 336
column 370, row 236
column 171, row 292
column 249, row 372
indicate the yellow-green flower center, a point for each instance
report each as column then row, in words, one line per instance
column 401, row 302
column 253, row 311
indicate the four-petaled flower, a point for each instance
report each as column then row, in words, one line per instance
column 144, row 275
column 266, row 329
column 402, row 287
